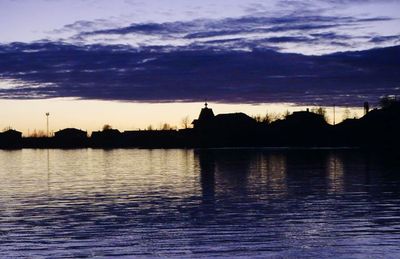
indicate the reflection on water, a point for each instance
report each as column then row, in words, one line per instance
column 198, row 203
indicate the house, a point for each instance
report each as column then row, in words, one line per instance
column 229, row 121
column 11, row 134
column 205, row 119
column 237, row 120
column 70, row 133
column 105, row 134
column 302, row 128
column 10, row 138
column 106, row 137
column 305, row 118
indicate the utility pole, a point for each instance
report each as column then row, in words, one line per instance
column 334, row 114
column 47, row 122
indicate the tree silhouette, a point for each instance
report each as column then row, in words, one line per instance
column 185, row 122
column 268, row 117
column 107, row 127
column 320, row 111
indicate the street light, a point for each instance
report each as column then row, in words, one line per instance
column 47, row 122
column 334, row 114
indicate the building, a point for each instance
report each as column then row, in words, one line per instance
column 11, row 134
column 106, row 137
column 302, row 118
column 71, row 134
column 10, row 138
column 106, row 134
column 229, row 121
column 205, row 119
column 237, row 120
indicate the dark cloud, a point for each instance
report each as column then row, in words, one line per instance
column 314, row 4
column 150, row 28
column 347, row 2
column 384, row 39
column 285, row 39
column 244, row 31
column 209, row 28
column 156, row 74
column 332, row 36
column 84, row 26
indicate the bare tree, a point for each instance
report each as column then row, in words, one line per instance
column 268, row 117
column 286, row 114
column 319, row 110
column 38, row 134
column 258, row 118
column 166, row 126
column 185, row 122
column 346, row 114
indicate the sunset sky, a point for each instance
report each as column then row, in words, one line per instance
column 135, row 63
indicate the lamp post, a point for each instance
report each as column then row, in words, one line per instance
column 334, row 114
column 47, row 122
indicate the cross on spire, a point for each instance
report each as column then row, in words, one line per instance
column 206, row 104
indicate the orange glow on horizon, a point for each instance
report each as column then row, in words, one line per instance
column 90, row 115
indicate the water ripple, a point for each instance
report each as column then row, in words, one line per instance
column 198, row 203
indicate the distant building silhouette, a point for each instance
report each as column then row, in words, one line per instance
column 306, row 117
column 10, row 138
column 11, row 134
column 107, row 137
column 302, row 128
column 70, row 133
column 233, row 121
column 206, row 118
column 106, row 134
column 70, row 137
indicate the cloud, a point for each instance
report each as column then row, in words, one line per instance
column 307, row 33
column 237, row 59
column 154, row 74
column 314, row 4
column 207, row 27
column 384, row 39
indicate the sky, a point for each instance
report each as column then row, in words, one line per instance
column 78, row 57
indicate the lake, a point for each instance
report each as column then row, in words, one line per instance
column 199, row 203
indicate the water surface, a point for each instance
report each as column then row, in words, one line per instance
column 198, row 203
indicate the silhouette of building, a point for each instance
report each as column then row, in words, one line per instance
column 302, row 128
column 10, row 138
column 303, row 118
column 106, row 137
column 233, row 121
column 71, row 135
column 106, row 134
column 206, row 118
column 11, row 134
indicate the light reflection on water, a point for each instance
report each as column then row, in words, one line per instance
column 198, row 203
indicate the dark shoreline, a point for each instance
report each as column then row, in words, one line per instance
column 377, row 129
